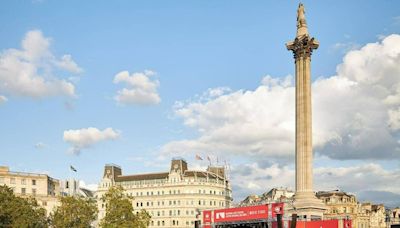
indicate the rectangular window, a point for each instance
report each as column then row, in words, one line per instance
column 1, row 180
column 33, row 182
column 34, row 191
column 23, row 191
column 12, row 180
column 23, row 181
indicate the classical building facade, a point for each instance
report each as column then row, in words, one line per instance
column 174, row 198
column 343, row 205
column 375, row 213
column 43, row 188
column 340, row 205
column 393, row 216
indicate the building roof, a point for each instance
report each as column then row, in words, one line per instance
column 332, row 193
column 211, row 175
column 87, row 192
column 164, row 175
column 138, row 177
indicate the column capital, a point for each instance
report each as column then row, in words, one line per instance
column 302, row 46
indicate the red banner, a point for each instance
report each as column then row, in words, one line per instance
column 241, row 213
column 276, row 208
column 206, row 216
column 318, row 224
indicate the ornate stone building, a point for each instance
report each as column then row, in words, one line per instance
column 340, row 204
column 344, row 205
column 174, row 198
column 43, row 188
column 274, row 195
column 393, row 216
column 375, row 213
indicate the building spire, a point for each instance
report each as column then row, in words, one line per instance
column 301, row 22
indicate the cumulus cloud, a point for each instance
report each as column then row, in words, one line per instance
column 141, row 88
column 357, row 179
column 251, row 178
column 67, row 63
column 87, row 137
column 31, row 70
column 356, row 113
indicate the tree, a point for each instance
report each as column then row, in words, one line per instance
column 119, row 211
column 143, row 219
column 76, row 212
column 20, row 212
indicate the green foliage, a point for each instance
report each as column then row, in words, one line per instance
column 74, row 212
column 119, row 211
column 142, row 219
column 20, row 212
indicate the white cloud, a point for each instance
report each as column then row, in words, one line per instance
column 30, row 71
column 141, row 88
column 357, row 178
column 87, row 137
column 251, row 178
column 355, row 112
column 345, row 46
column 3, row 99
column 66, row 62
column 40, row 145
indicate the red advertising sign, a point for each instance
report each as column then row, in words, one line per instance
column 347, row 223
column 276, row 208
column 241, row 213
column 206, row 216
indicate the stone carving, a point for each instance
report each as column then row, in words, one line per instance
column 301, row 19
column 303, row 47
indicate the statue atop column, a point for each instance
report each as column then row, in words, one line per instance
column 301, row 21
column 300, row 14
column 303, row 45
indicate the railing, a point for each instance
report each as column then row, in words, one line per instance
column 27, row 174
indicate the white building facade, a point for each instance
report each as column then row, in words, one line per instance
column 43, row 188
column 173, row 199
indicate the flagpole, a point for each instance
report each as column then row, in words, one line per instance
column 69, row 182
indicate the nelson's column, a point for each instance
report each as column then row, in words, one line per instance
column 305, row 202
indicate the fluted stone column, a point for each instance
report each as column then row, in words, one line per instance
column 305, row 202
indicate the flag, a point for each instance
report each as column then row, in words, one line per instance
column 72, row 168
column 198, row 157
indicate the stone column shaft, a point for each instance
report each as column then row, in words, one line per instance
column 304, row 179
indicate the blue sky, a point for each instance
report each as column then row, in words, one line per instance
column 192, row 48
